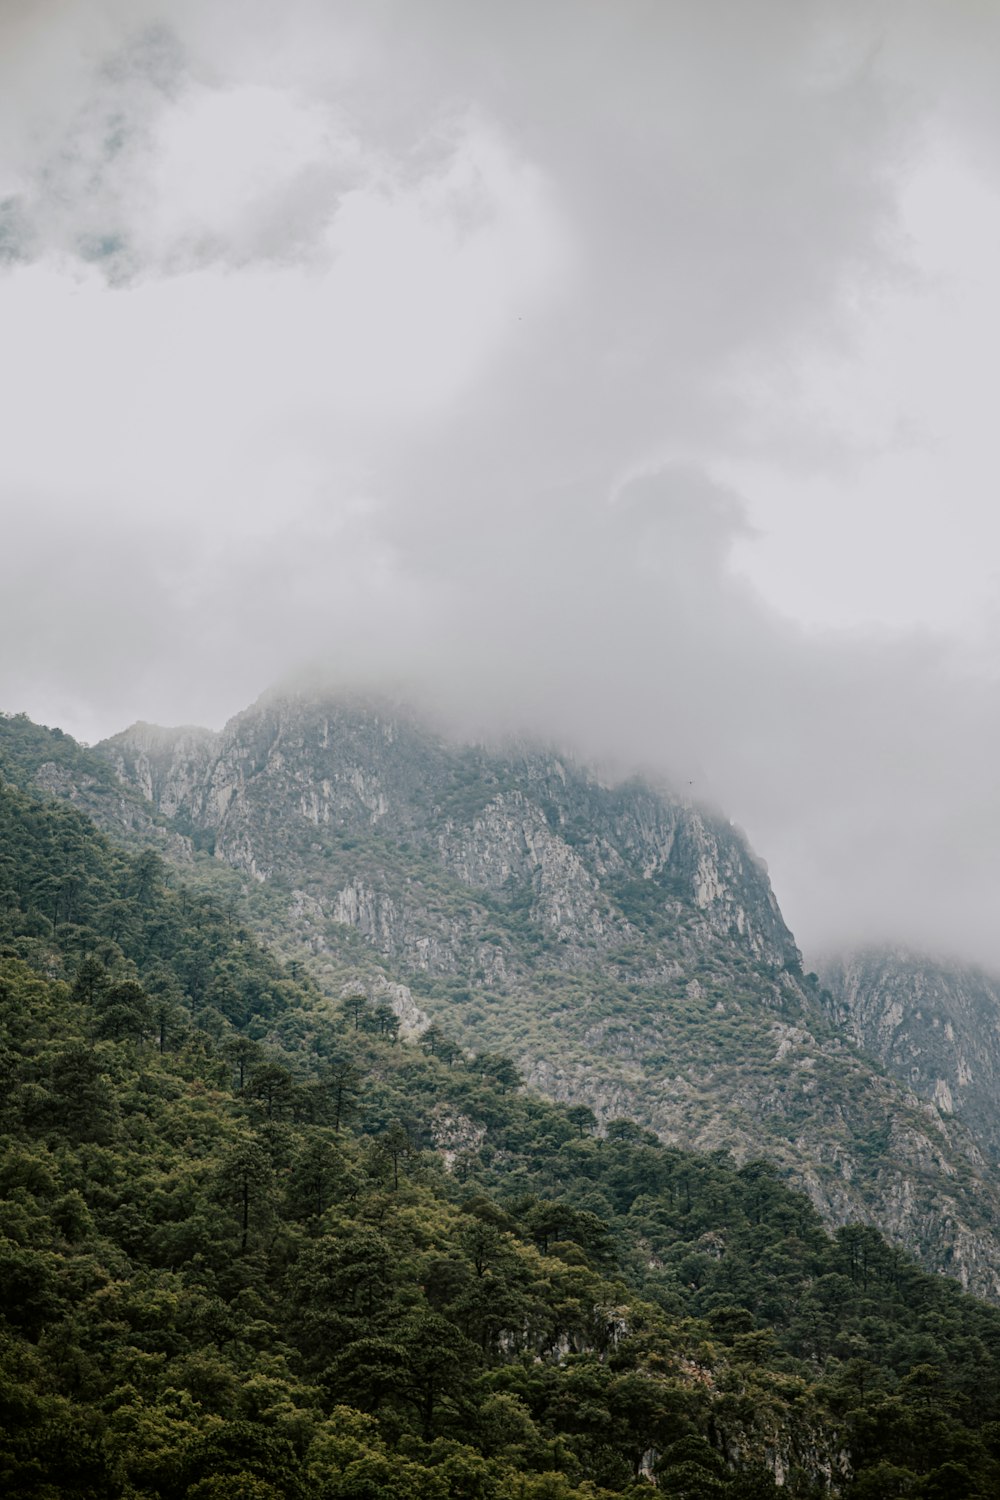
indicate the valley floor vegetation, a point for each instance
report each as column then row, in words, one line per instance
column 254, row 1245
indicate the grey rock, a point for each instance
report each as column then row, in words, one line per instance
column 933, row 1023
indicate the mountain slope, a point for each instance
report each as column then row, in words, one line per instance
column 47, row 761
column 252, row 1246
column 623, row 945
column 934, row 1023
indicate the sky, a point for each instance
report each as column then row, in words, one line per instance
column 619, row 373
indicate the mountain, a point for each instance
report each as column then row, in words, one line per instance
column 253, row 1245
column 621, row 943
column 36, row 759
column 933, row 1023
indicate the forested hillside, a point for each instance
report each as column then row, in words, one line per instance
column 620, row 942
column 255, row 1245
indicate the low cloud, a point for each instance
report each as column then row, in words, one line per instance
column 429, row 346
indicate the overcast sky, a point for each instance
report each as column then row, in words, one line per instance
column 625, row 371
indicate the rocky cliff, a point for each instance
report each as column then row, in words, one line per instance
column 288, row 780
column 933, row 1023
column 37, row 759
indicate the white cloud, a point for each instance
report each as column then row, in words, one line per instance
column 242, row 174
column 470, row 347
column 872, row 471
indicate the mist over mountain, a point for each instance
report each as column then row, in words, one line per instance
column 622, row 944
column 558, row 373
column 518, row 1053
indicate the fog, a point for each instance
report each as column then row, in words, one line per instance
column 621, row 374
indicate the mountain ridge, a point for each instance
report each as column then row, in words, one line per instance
column 180, row 781
column 627, row 951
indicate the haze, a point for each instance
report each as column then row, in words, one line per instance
column 624, row 373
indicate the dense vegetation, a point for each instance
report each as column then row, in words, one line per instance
column 253, row 1245
column 620, row 944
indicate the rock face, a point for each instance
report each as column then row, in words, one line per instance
column 289, row 778
column 933, row 1024
column 47, row 761
column 621, row 944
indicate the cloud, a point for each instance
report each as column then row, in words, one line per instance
column 459, row 349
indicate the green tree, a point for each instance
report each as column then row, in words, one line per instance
column 82, row 1100
column 386, row 1021
column 245, row 1181
column 123, row 1012
column 317, row 1174
column 391, row 1150
column 582, row 1119
column 341, row 1081
column 244, row 1053
column 273, row 1087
